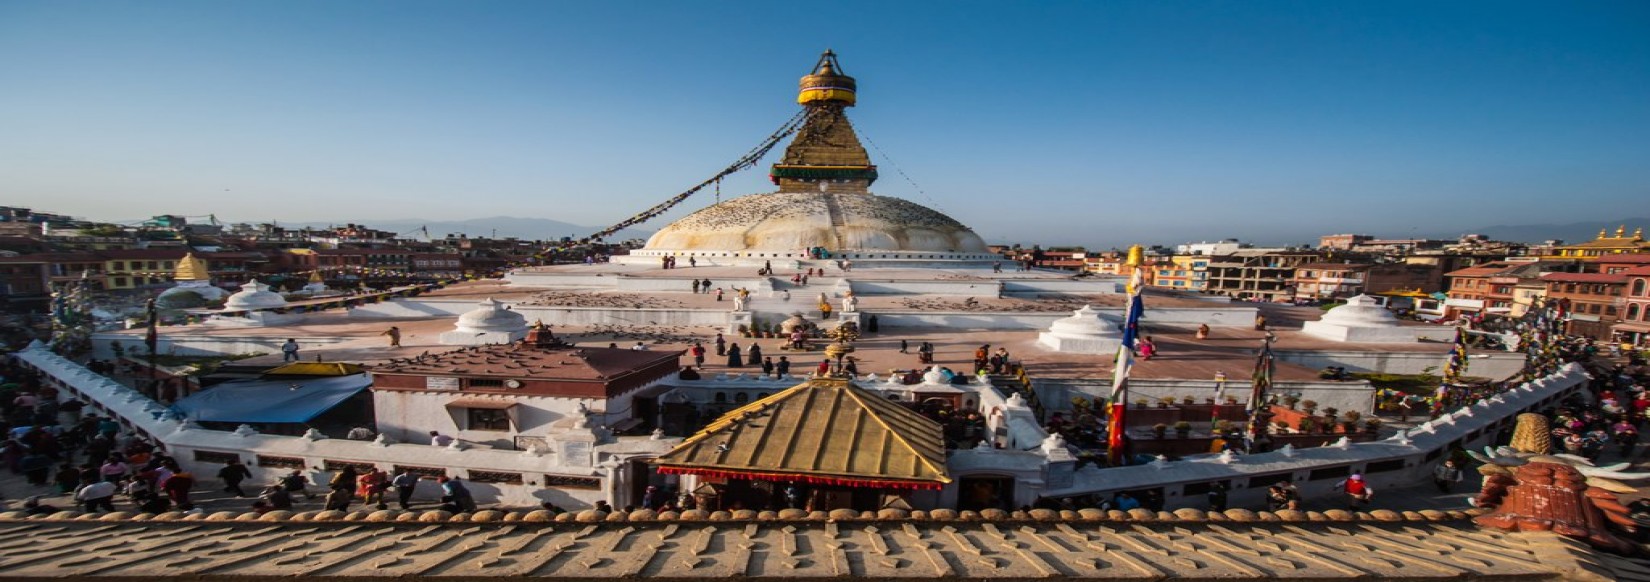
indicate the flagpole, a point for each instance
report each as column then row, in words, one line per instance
column 1117, row 425
column 1261, row 383
column 1220, row 396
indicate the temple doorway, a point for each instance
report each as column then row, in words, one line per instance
column 985, row 492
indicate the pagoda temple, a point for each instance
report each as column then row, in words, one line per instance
column 827, row 442
column 824, row 208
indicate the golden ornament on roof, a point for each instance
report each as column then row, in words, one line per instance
column 191, row 268
column 827, row 83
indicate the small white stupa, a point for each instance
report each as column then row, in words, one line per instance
column 254, row 305
column 254, row 295
column 1082, row 333
column 316, row 285
column 489, row 324
column 1362, row 319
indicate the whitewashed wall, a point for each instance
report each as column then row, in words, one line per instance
column 141, row 415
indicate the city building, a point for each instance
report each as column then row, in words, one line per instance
column 1605, row 245
column 1320, row 281
column 1595, row 300
column 1343, row 242
column 1258, row 274
column 1493, row 288
column 508, row 396
column 1633, row 328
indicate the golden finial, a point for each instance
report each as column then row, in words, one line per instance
column 1621, row 231
column 1638, row 233
column 191, row 268
column 1601, row 233
column 827, row 83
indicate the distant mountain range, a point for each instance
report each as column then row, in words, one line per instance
column 491, row 227
column 1575, row 232
column 547, row 229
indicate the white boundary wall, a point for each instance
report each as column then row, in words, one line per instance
column 183, row 440
column 1406, row 459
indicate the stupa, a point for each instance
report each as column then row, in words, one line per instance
column 1363, row 319
column 194, row 286
column 491, row 323
column 1085, row 332
column 254, row 305
column 824, row 208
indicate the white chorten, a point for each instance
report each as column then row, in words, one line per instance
column 490, row 323
column 1364, row 320
column 1085, row 332
column 254, row 295
column 254, row 305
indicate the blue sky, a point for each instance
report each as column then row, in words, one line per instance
column 1100, row 123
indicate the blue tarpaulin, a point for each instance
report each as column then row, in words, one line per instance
column 271, row 401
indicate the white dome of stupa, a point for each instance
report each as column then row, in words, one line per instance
column 1360, row 311
column 492, row 316
column 255, row 295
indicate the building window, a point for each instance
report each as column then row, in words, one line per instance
column 488, row 419
column 1638, row 287
column 486, row 383
column 120, row 281
column 1610, row 310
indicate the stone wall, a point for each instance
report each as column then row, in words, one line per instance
column 1493, row 365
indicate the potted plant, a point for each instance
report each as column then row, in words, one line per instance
column 1210, row 401
column 1231, row 400
column 1307, row 424
column 1220, row 427
column 1165, row 402
column 1140, row 402
column 1282, row 426
column 1159, row 429
column 1183, row 429
column 1350, row 425
column 744, row 330
column 1372, row 426
column 1187, row 400
column 1291, row 400
column 1310, row 406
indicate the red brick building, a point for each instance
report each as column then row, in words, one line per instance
column 1634, row 324
column 1595, row 300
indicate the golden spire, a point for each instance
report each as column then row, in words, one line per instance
column 191, row 268
column 1638, row 233
column 1621, row 231
column 1601, row 234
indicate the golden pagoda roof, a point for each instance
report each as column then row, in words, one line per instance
column 825, row 430
column 191, row 268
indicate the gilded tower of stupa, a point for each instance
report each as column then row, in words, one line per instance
column 823, row 202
